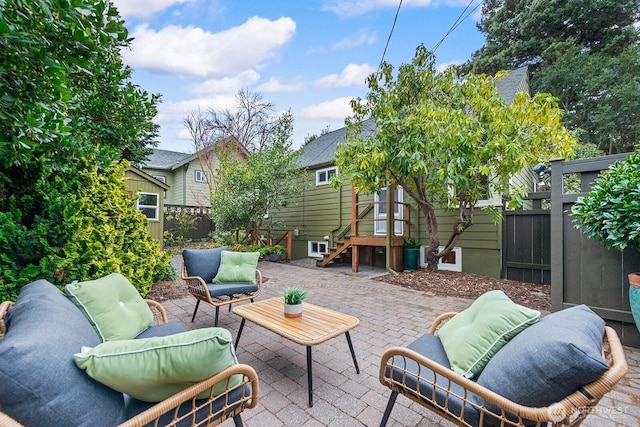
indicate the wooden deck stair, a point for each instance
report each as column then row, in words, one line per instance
column 339, row 251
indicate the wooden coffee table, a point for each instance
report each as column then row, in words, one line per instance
column 315, row 326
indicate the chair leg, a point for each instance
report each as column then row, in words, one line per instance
column 195, row 311
column 237, row 421
column 217, row 315
column 387, row 411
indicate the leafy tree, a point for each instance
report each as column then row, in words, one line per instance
column 68, row 111
column 247, row 189
column 447, row 140
column 584, row 52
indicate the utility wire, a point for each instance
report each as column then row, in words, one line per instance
column 457, row 23
column 390, row 33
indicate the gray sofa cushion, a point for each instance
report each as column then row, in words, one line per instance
column 430, row 346
column 41, row 384
column 162, row 330
column 217, row 289
column 549, row 360
column 134, row 407
column 203, row 262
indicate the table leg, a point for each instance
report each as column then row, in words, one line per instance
column 235, row 346
column 353, row 354
column 310, row 376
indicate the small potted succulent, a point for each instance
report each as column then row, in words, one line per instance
column 293, row 301
column 610, row 213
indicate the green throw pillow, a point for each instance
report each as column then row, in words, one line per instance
column 153, row 369
column 237, row 267
column 112, row 305
column 474, row 335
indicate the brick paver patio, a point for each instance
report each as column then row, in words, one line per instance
column 389, row 316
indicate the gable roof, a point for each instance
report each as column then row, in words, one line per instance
column 165, row 159
column 171, row 160
column 320, row 151
column 516, row 81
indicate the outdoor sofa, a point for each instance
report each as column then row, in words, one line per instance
column 498, row 364
column 98, row 356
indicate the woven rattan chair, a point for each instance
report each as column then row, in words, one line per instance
column 182, row 408
column 199, row 267
column 425, row 378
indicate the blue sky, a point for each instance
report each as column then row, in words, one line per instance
column 310, row 56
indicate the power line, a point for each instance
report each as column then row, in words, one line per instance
column 457, row 23
column 390, row 33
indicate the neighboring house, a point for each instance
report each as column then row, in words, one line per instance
column 321, row 217
column 189, row 175
column 150, row 200
column 183, row 173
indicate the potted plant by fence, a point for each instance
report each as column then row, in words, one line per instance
column 411, row 253
column 610, row 213
column 293, row 301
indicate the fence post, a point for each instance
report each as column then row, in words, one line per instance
column 557, row 235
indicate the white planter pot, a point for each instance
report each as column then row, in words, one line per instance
column 292, row 310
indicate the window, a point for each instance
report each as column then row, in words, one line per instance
column 148, row 204
column 200, row 176
column 317, row 249
column 493, row 199
column 323, row 176
column 451, row 262
column 161, row 178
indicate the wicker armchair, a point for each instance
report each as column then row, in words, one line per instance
column 199, row 267
column 182, row 408
column 455, row 397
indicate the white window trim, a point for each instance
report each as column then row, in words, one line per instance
column 494, row 200
column 318, row 253
column 457, row 266
column 326, row 170
column 161, row 178
column 380, row 227
column 200, row 176
column 156, row 206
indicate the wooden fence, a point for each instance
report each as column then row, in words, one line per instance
column 582, row 270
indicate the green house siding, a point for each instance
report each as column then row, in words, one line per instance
column 140, row 182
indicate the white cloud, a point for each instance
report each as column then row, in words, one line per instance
column 443, row 66
column 275, row 85
column 348, row 8
column 195, row 52
column 226, row 85
column 363, row 38
column 338, row 108
column 144, row 8
column 351, row 75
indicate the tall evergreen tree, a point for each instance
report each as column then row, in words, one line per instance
column 585, row 52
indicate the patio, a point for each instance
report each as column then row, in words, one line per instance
column 389, row 316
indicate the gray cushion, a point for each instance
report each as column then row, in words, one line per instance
column 430, row 346
column 41, row 384
column 134, row 407
column 203, row 262
column 217, row 289
column 549, row 360
column 162, row 330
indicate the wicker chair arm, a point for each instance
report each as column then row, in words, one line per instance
column 574, row 407
column 7, row 421
column 4, row 308
column 187, row 396
column 441, row 320
column 159, row 313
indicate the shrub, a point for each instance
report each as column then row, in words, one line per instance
column 86, row 227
